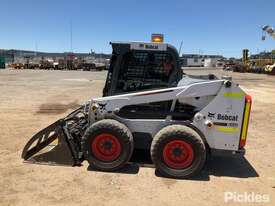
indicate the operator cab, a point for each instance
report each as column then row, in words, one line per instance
column 139, row 66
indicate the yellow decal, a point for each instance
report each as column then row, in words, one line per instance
column 233, row 95
column 246, row 119
column 228, row 129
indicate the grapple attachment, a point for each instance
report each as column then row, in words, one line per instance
column 52, row 146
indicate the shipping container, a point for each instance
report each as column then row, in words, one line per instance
column 2, row 62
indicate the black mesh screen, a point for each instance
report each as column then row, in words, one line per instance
column 141, row 70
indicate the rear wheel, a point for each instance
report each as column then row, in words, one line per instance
column 178, row 151
column 107, row 145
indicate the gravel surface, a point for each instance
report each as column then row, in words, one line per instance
column 32, row 99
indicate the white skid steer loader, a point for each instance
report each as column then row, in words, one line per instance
column 181, row 119
column 189, row 123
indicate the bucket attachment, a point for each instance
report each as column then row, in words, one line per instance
column 51, row 146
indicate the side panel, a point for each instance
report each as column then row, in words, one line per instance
column 221, row 120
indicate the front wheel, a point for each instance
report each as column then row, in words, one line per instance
column 178, row 151
column 107, row 145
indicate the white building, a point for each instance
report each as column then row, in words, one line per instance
column 195, row 60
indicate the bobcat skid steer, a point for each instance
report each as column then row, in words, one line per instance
column 148, row 103
column 180, row 125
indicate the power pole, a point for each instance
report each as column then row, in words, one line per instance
column 36, row 48
column 71, row 36
column 180, row 47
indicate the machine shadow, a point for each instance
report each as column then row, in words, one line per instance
column 215, row 166
column 130, row 168
column 139, row 159
column 230, row 167
column 224, row 167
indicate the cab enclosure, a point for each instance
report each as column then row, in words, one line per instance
column 139, row 66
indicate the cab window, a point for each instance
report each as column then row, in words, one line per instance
column 143, row 70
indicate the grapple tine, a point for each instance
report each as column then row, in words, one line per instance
column 39, row 148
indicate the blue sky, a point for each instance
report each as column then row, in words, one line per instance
column 208, row 27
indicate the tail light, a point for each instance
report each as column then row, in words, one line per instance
column 247, row 108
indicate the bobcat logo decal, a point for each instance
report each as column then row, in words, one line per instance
column 211, row 115
column 102, row 106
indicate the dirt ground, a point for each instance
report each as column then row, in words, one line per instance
column 30, row 100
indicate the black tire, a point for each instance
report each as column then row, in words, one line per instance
column 175, row 133
column 120, row 132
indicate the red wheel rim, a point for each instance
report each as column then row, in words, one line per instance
column 178, row 154
column 106, row 147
